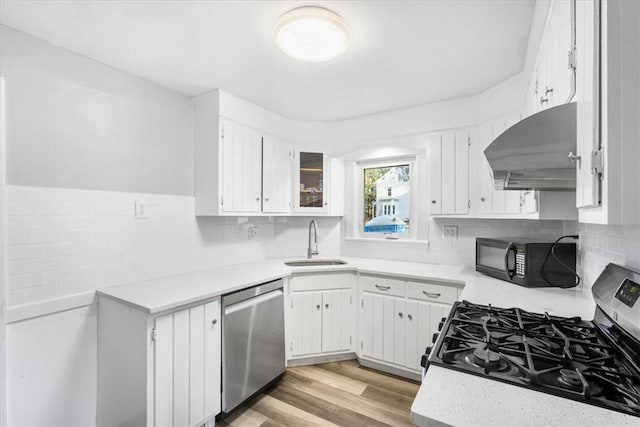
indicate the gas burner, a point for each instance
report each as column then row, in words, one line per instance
column 571, row 378
column 488, row 359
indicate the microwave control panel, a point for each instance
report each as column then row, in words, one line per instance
column 520, row 263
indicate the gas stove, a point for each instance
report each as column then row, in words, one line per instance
column 595, row 362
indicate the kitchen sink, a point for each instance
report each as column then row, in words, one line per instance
column 314, row 262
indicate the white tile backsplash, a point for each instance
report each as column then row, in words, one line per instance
column 458, row 250
column 64, row 241
column 602, row 244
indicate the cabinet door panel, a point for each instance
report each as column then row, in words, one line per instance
column 434, row 152
column 335, row 320
column 498, row 197
column 181, row 368
column 196, row 365
column 462, row 172
column 561, row 76
column 163, row 369
column 388, row 325
column 448, row 180
column 366, row 324
column 399, row 325
column 424, row 329
column 379, row 331
column 413, row 351
column 212, row 364
column 485, row 198
column 241, row 168
column 307, row 323
column 276, row 176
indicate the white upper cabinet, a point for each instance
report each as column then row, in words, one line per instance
column 276, row 176
column 608, row 65
column 448, row 160
column 239, row 170
column 487, row 201
column 554, row 78
column 311, row 186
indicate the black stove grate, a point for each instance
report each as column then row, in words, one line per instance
column 567, row 357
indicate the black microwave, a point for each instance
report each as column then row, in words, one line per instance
column 527, row 262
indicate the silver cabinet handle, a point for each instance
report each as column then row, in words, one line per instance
column 383, row 288
column 543, row 100
column 400, row 315
column 410, row 317
column 547, row 90
column 432, row 294
column 214, row 321
column 573, row 157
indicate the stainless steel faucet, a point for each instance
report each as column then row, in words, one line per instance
column 311, row 252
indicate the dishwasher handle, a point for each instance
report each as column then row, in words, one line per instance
column 252, row 301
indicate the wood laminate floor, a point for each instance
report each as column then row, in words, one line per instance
column 341, row 394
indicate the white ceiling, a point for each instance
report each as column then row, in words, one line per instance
column 403, row 53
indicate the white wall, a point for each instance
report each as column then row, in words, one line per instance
column 51, row 371
column 76, row 123
column 64, row 242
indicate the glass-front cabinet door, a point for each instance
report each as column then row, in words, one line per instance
column 312, row 186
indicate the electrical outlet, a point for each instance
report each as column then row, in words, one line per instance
column 450, row 231
column 253, row 233
column 141, row 209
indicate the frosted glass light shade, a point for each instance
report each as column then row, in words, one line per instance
column 312, row 34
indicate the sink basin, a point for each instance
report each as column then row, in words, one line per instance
column 314, row 262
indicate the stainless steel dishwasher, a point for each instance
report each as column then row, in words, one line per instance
column 252, row 341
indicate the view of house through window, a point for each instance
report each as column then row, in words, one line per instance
column 386, row 199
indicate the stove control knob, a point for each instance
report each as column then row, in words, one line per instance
column 444, row 319
column 424, row 360
column 440, row 325
column 434, row 338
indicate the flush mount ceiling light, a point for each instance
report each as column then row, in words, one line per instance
column 312, row 34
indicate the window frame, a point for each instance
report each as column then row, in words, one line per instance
column 358, row 229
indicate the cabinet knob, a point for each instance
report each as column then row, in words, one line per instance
column 326, row 203
column 318, row 307
column 482, row 199
column 400, row 315
column 257, row 199
column 433, row 202
column 326, row 306
column 214, row 321
column 573, row 157
column 266, row 199
column 410, row 317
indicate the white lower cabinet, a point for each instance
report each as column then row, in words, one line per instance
column 158, row 371
column 319, row 320
column 396, row 328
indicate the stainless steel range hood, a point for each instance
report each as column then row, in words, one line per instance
column 535, row 153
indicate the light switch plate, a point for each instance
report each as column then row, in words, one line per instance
column 141, row 209
column 253, row 233
column 450, row 231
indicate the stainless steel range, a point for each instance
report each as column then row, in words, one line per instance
column 596, row 362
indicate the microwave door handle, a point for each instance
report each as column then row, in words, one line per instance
column 510, row 273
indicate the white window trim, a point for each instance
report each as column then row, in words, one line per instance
column 358, row 225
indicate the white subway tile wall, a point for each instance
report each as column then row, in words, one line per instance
column 602, row 244
column 458, row 250
column 62, row 242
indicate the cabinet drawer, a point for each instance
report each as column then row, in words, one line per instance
column 320, row 281
column 432, row 292
column 382, row 285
